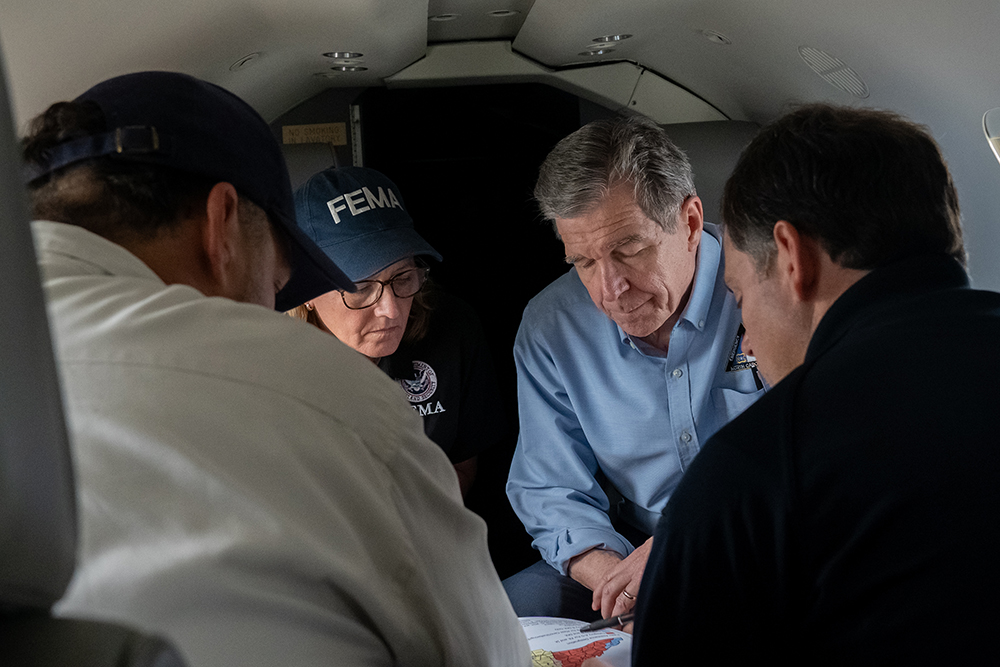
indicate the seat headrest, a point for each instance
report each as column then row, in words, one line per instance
column 37, row 497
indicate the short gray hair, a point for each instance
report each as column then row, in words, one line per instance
column 583, row 167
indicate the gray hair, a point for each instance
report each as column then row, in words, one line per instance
column 583, row 167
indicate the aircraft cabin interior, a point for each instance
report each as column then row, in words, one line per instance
column 459, row 101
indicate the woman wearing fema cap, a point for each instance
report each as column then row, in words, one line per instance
column 430, row 342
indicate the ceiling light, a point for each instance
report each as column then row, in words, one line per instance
column 596, row 52
column 503, row 13
column 443, row 17
column 349, row 68
column 343, row 55
column 611, row 38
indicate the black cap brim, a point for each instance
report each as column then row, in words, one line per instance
column 313, row 273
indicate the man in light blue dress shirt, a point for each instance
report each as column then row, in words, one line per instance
column 626, row 365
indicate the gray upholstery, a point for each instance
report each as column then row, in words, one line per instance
column 36, row 640
column 37, row 496
column 37, row 512
column 713, row 149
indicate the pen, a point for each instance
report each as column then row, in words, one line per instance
column 613, row 622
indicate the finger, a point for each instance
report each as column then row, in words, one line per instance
column 622, row 605
column 611, row 592
column 607, row 601
column 613, row 600
column 608, row 596
column 626, row 600
column 597, row 597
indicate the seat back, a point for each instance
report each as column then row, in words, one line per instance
column 38, row 536
column 713, row 148
column 37, row 501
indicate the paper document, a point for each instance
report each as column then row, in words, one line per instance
column 558, row 642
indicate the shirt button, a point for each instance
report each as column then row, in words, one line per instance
column 685, row 436
column 677, row 373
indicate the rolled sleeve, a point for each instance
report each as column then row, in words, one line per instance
column 553, row 484
column 598, row 410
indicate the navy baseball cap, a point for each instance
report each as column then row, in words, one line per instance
column 356, row 216
column 178, row 121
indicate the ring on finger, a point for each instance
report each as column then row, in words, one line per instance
column 627, row 595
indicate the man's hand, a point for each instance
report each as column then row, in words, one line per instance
column 592, row 567
column 610, row 594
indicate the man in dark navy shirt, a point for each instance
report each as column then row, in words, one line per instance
column 850, row 516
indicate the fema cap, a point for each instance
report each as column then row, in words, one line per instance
column 178, row 121
column 356, row 216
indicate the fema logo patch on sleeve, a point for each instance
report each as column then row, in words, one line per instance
column 423, row 385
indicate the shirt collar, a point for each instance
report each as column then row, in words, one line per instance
column 100, row 255
column 705, row 273
column 879, row 289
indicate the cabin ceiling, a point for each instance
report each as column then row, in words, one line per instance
column 934, row 62
column 902, row 49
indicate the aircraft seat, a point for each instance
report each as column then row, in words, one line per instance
column 37, row 556
column 37, row 495
column 713, row 147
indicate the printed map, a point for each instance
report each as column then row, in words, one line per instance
column 573, row 657
column 558, row 642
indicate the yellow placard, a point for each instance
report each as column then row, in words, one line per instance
column 318, row 133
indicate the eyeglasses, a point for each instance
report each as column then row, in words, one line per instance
column 403, row 285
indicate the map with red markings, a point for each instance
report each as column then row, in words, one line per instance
column 558, row 642
column 573, row 657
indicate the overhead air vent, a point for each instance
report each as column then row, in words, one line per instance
column 244, row 62
column 716, row 37
column 834, row 71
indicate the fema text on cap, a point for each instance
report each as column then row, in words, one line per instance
column 355, row 202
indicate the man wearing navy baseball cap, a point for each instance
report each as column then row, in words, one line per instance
column 254, row 508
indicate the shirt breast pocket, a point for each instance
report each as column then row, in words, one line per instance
column 731, row 402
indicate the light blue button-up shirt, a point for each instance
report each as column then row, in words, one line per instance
column 593, row 401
